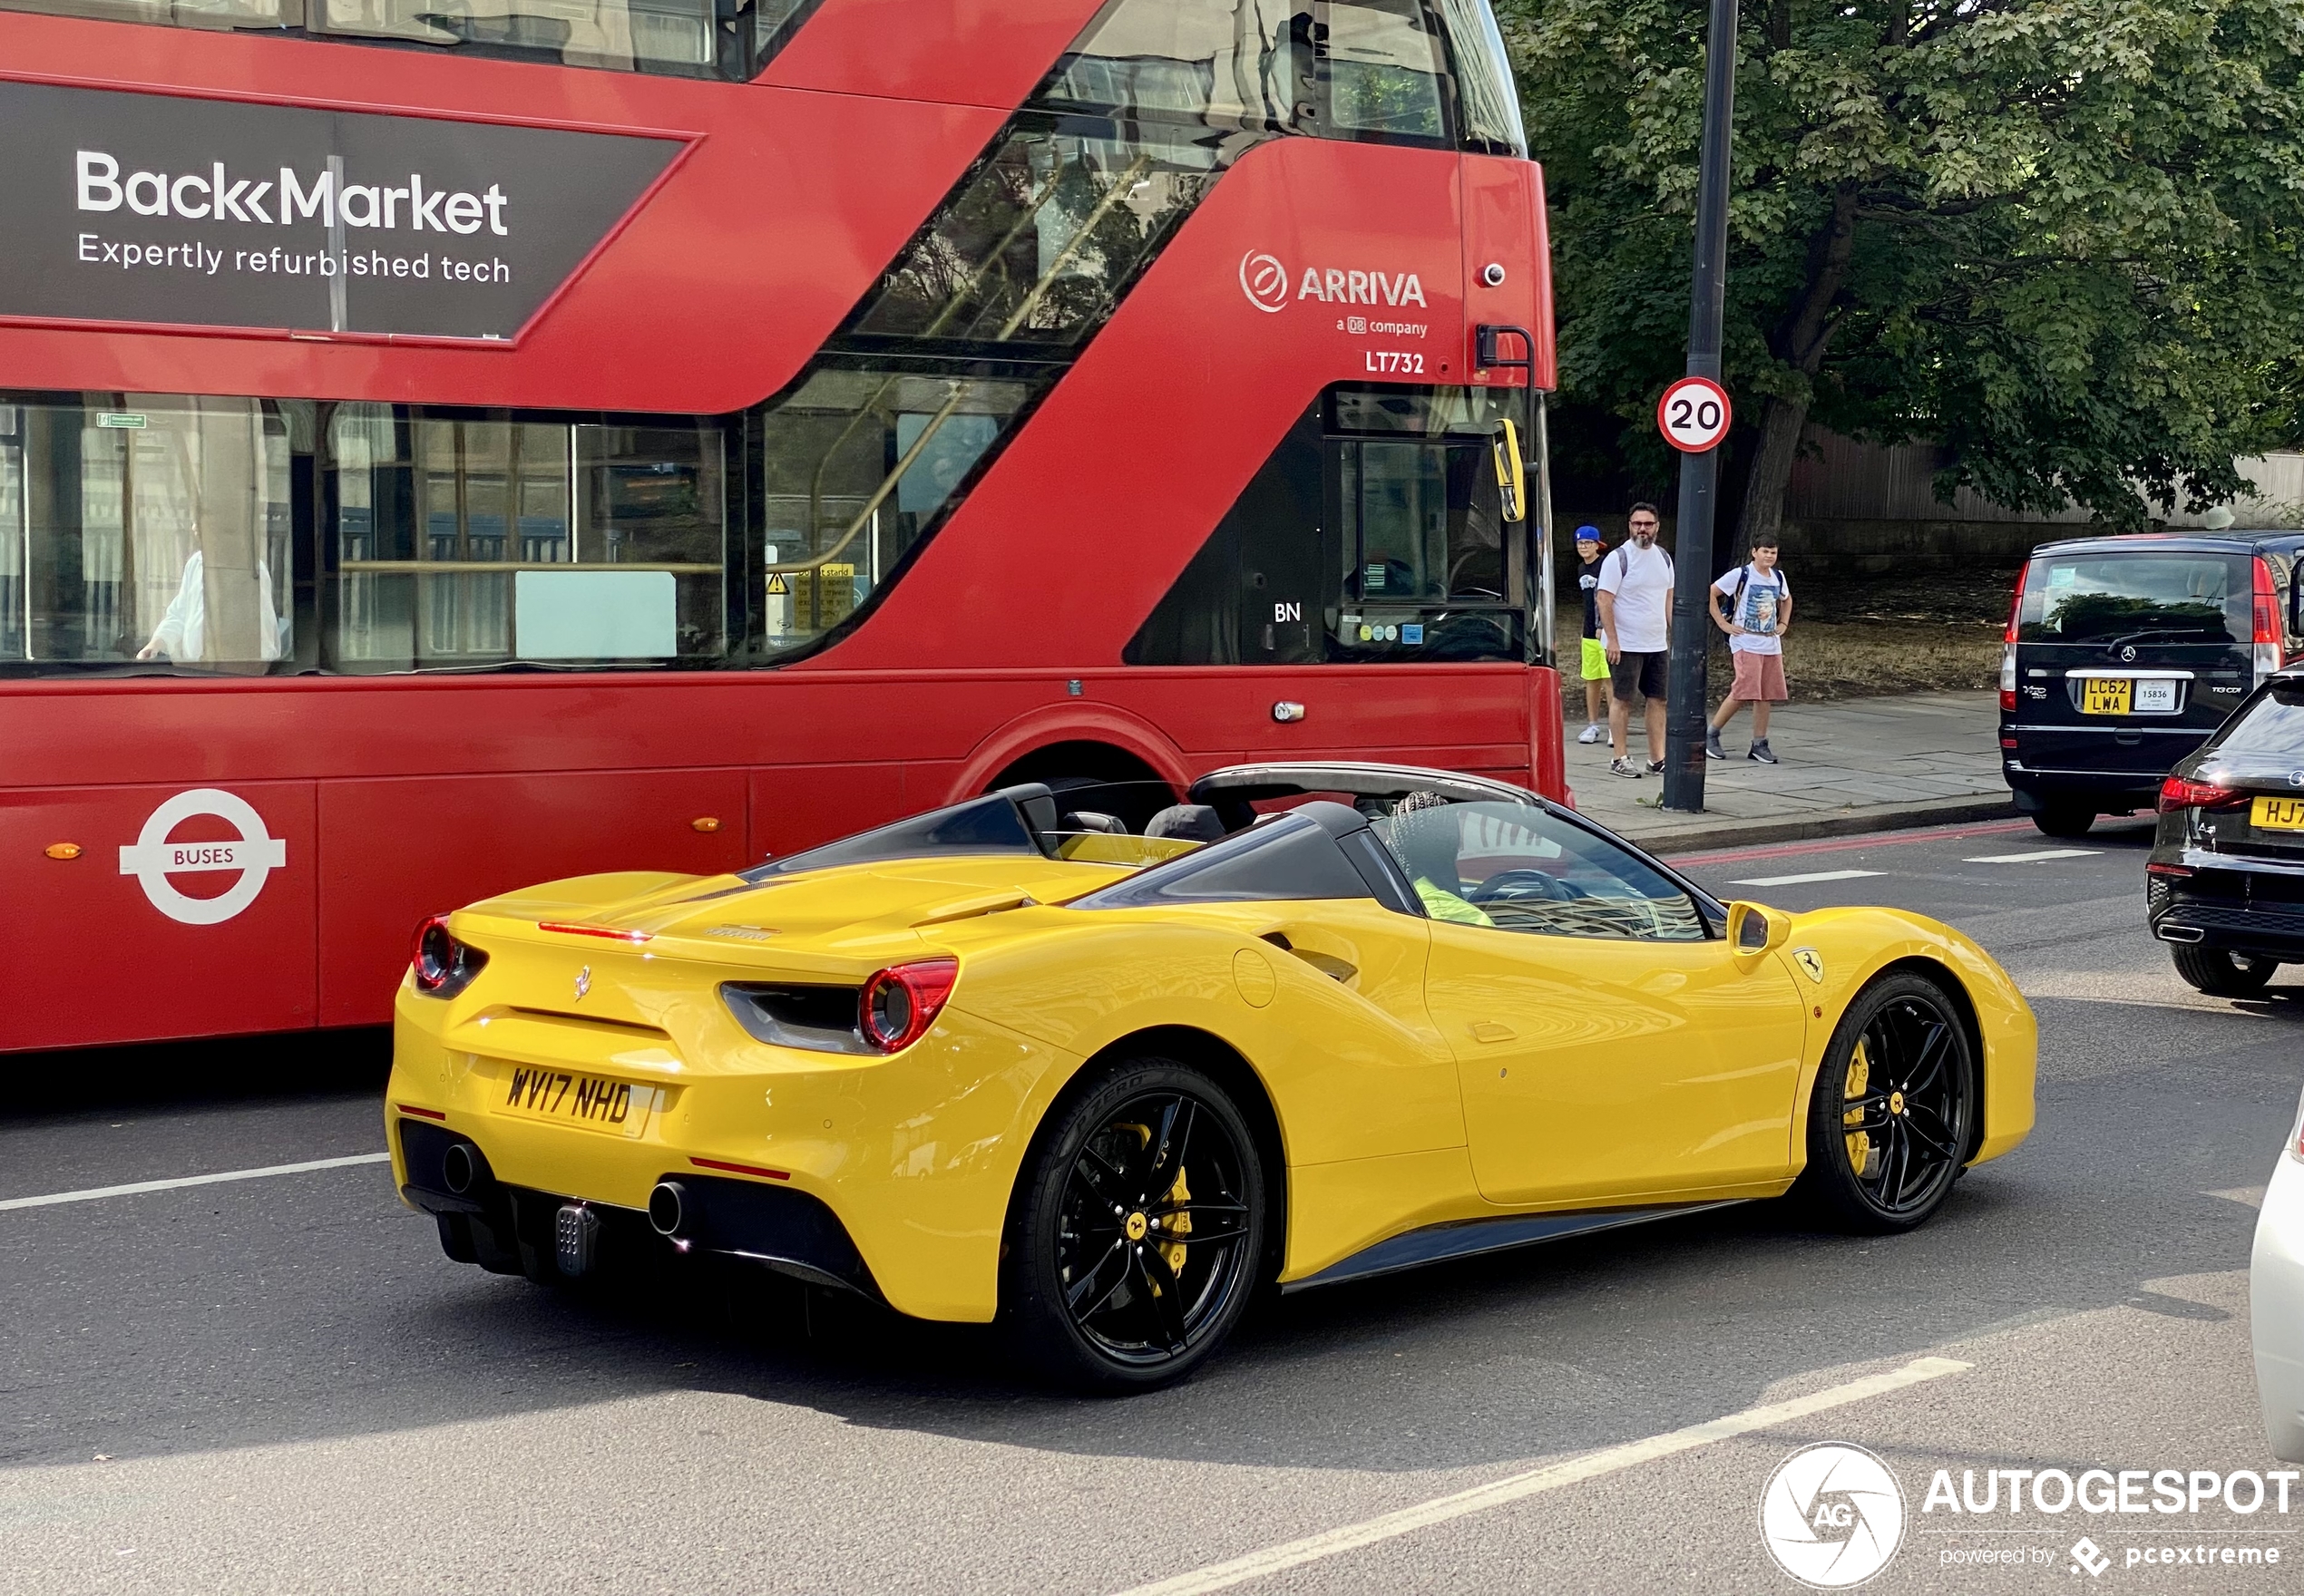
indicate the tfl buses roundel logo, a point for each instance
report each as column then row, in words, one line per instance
column 1265, row 281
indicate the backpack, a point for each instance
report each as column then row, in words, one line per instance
column 1621, row 555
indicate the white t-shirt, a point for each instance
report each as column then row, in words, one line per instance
column 1766, row 596
column 1641, row 582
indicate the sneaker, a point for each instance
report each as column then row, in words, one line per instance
column 1624, row 767
column 1594, row 732
column 1656, row 767
column 1713, row 750
column 1761, row 751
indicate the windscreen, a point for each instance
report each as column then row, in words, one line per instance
column 2272, row 726
column 991, row 824
column 2135, row 597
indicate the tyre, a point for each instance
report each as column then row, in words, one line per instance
column 2221, row 973
column 1137, row 1237
column 1893, row 1114
column 2065, row 819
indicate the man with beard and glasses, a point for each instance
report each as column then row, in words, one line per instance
column 1635, row 619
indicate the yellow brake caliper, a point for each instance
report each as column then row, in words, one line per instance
column 1859, row 1142
column 1179, row 1227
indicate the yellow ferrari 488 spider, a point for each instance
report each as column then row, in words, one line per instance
column 1012, row 1061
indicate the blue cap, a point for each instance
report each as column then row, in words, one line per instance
column 1588, row 534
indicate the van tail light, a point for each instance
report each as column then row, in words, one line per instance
column 899, row 1003
column 2182, row 793
column 2008, row 645
column 443, row 966
column 2264, row 612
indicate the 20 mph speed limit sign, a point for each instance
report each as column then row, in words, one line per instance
column 1694, row 414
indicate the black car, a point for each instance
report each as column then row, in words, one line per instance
column 2224, row 887
column 2124, row 654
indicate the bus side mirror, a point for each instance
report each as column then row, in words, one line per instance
column 1511, row 483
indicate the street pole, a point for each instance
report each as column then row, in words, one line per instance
column 1683, row 757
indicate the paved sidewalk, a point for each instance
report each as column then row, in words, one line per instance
column 1860, row 765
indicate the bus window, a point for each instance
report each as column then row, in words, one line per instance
column 1374, row 532
column 155, row 528
column 677, row 38
column 444, row 522
column 1380, row 69
column 1487, row 105
column 854, row 466
column 1231, row 64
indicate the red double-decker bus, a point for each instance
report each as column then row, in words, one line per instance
column 447, row 444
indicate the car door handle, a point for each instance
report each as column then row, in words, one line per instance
column 1488, row 1030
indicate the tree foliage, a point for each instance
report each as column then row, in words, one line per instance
column 2060, row 237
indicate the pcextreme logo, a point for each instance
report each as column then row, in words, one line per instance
column 1832, row 1516
column 1264, row 278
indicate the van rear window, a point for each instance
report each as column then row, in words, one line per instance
column 2136, row 595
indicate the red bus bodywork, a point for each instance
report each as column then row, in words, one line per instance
column 385, row 798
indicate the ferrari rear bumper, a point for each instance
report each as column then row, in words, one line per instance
column 887, row 1175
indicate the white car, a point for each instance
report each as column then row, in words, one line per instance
column 2275, row 1300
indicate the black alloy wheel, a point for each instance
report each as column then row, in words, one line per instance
column 1893, row 1116
column 2221, row 973
column 2065, row 819
column 1139, row 1231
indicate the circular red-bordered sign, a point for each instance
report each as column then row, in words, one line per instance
column 1694, row 415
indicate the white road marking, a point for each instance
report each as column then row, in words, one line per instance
column 2246, row 1196
column 1814, row 875
column 93, row 1192
column 1274, row 1560
column 2037, row 853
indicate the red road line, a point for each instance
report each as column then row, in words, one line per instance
column 1845, row 844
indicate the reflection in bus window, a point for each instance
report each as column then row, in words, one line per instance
column 1229, row 64
column 148, row 530
column 1381, row 70
column 676, row 38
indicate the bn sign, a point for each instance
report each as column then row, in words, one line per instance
column 1694, row 414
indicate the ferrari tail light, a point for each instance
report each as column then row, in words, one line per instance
column 2008, row 645
column 444, row 965
column 899, row 1003
column 2182, row 793
column 2264, row 614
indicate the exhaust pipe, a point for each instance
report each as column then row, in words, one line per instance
column 2179, row 933
column 668, row 1210
column 461, row 1168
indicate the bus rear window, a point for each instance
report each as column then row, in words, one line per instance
column 2126, row 595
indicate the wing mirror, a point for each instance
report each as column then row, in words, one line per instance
column 1754, row 929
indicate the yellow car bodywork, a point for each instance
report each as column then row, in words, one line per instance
column 1417, row 1072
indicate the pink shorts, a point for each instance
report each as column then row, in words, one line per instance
column 1759, row 676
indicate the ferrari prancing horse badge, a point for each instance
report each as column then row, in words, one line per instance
column 1811, row 962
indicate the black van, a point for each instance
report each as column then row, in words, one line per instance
column 2125, row 653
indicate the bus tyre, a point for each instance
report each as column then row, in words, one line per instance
column 2065, row 819
column 1137, row 1234
column 2221, row 973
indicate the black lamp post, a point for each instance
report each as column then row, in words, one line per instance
column 1683, row 757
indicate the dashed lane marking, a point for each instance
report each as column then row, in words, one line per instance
column 1813, row 875
column 1592, row 1466
column 92, row 1194
column 2033, row 856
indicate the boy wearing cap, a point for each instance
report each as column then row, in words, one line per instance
column 1588, row 549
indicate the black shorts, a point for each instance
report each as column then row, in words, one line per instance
column 1638, row 675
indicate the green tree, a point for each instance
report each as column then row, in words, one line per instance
column 2059, row 236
